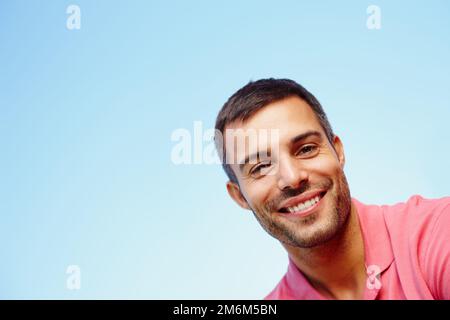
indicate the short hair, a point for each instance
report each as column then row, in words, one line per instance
column 253, row 97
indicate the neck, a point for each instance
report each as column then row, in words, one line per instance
column 335, row 269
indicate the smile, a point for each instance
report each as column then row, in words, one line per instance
column 304, row 204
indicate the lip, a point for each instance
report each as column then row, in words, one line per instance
column 300, row 198
column 306, row 196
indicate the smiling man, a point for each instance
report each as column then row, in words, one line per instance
column 338, row 247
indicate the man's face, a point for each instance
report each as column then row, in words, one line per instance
column 296, row 187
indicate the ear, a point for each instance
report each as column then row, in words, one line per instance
column 236, row 195
column 339, row 148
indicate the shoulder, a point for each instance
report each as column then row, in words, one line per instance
column 417, row 214
column 292, row 286
column 421, row 241
column 280, row 292
column 416, row 221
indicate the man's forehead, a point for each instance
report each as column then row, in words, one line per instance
column 278, row 115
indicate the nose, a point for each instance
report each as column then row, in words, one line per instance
column 291, row 174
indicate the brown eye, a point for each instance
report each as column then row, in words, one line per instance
column 307, row 150
column 257, row 169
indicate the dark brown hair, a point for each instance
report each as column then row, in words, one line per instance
column 255, row 96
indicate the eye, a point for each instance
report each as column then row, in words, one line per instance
column 260, row 168
column 307, row 150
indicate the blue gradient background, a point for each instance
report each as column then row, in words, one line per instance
column 86, row 118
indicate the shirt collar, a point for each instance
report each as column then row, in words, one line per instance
column 377, row 243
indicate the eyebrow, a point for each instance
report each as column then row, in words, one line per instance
column 305, row 135
column 294, row 140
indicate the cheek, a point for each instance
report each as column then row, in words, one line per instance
column 324, row 166
column 259, row 193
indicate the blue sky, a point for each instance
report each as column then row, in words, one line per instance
column 86, row 118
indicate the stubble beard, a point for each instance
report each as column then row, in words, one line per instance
column 310, row 231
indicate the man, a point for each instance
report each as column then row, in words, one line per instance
column 294, row 183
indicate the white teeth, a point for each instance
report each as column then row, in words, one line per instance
column 305, row 205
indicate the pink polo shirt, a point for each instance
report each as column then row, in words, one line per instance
column 407, row 253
